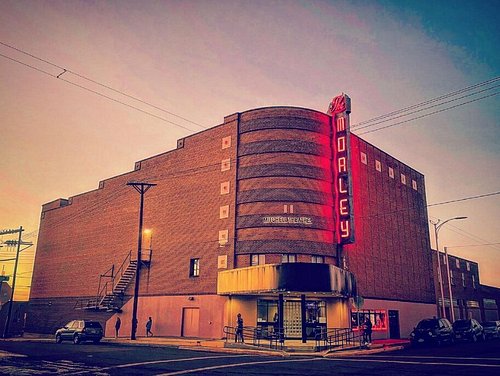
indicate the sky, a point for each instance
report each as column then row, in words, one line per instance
column 203, row 60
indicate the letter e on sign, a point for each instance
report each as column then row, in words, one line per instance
column 344, row 206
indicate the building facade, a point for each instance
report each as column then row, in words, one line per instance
column 470, row 298
column 275, row 214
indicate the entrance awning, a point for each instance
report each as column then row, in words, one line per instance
column 288, row 277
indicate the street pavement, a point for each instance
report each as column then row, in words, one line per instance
column 173, row 356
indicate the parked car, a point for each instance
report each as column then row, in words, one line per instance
column 79, row 331
column 491, row 329
column 468, row 330
column 432, row 331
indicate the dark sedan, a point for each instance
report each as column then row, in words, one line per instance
column 491, row 329
column 432, row 331
column 468, row 330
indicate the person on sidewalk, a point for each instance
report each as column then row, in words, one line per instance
column 118, row 323
column 149, row 325
column 368, row 332
column 239, row 329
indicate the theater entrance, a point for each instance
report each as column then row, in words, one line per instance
column 299, row 318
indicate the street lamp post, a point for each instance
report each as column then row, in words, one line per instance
column 142, row 188
column 437, row 226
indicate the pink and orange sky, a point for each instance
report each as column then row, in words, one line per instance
column 205, row 60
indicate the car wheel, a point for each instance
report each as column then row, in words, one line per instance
column 58, row 338
column 76, row 339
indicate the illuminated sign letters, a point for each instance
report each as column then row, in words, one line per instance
column 287, row 220
column 339, row 109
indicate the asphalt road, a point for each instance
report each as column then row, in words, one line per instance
column 43, row 358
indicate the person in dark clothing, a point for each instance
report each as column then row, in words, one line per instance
column 149, row 325
column 118, row 323
column 368, row 332
column 239, row 329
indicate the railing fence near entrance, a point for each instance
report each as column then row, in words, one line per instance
column 257, row 336
column 328, row 339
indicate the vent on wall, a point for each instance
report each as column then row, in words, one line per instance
column 137, row 166
column 180, row 143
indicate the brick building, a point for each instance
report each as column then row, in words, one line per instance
column 244, row 218
column 471, row 299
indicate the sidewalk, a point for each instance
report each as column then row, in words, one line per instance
column 294, row 348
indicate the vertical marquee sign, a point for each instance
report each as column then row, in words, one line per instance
column 339, row 109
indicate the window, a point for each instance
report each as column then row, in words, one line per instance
column 257, row 259
column 223, row 237
column 194, row 267
column 444, row 260
column 414, row 184
column 224, row 212
column 266, row 311
column 364, row 160
column 224, row 188
column 378, row 166
column 377, row 317
column 463, row 279
column 288, row 257
column 317, row 259
column 226, row 142
column 468, row 266
column 451, row 277
column 457, row 263
column 288, row 209
column 474, row 281
column 225, row 164
column 403, row 179
column 391, row 172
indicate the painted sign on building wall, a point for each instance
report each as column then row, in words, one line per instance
column 339, row 109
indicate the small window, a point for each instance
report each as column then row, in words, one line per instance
column 225, row 164
column 414, row 184
column 288, row 257
column 391, row 172
column 452, row 280
column 474, row 281
column 223, row 237
column 194, row 267
column 463, row 279
column 288, row 209
column 257, row 259
column 457, row 263
column 444, row 260
column 403, row 179
column 364, row 160
column 224, row 188
column 468, row 266
column 317, row 259
column 226, row 142
column 378, row 166
column 224, row 212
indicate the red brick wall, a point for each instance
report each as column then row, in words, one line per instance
column 391, row 255
column 99, row 228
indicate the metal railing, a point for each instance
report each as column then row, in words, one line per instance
column 328, row 339
column 256, row 336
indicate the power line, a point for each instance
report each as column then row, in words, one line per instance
column 99, row 94
column 471, row 245
column 451, row 94
column 99, row 83
column 426, row 108
column 464, row 199
column 431, row 113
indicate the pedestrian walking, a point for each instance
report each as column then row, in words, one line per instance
column 118, row 323
column 149, row 325
column 239, row 329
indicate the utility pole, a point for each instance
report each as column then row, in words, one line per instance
column 19, row 242
column 142, row 188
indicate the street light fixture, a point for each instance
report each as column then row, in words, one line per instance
column 437, row 226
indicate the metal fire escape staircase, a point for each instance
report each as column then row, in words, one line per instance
column 112, row 285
